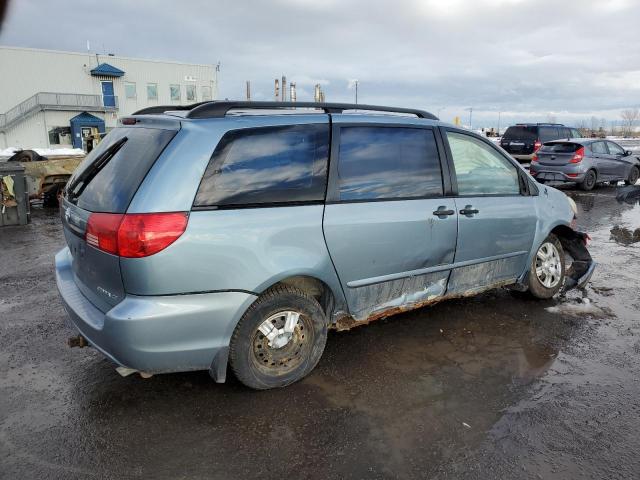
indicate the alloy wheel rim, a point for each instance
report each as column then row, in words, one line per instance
column 548, row 265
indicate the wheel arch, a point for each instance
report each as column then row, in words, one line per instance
column 331, row 299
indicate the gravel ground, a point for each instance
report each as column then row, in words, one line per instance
column 495, row 386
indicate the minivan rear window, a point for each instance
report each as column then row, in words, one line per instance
column 267, row 165
column 529, row 134
column 565, row 147
column 108, row 178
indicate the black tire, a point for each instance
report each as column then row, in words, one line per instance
column 634, row 174
column 260, row 365
column 50, row 197
column 589, row 181
column 536, row 287
column 26, row 156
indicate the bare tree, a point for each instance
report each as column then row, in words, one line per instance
column 584, row 130
column 594, row 126
column 603, row 127
column 629, row 119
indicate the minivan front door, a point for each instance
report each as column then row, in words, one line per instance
column 496, row 221
column 390, row 232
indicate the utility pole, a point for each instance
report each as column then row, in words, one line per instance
column 470, row 110
column 356, row 82
column 248, row 90
column 499, row 123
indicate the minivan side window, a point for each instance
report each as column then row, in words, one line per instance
column 480, row 169
column 378, row 163
column 267, row 165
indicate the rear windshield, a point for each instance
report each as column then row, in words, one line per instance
column 528, row 134
column 565, row 147
column 107, row 179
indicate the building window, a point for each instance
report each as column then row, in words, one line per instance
column 191, row 93
column 152, row 91
column 130, row 90
column 206, row 93
column 174, row 90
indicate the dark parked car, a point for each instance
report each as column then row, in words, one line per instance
column 585, row 162
column 522, row 140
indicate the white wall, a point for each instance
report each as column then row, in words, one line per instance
column 26, row 71
column 34, row 71
column 28, row 134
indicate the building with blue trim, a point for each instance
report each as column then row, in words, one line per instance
column 60, row 99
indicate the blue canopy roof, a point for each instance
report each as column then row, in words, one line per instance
column 106, row 70
column 85, row 118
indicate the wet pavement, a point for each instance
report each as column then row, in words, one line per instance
column 496, row 386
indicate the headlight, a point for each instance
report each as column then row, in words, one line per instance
column 574, row 207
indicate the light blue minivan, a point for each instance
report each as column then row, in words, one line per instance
column 237, row 233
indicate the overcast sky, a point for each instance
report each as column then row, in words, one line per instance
column 529, row 59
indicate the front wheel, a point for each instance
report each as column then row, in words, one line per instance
column 634, row 174
column 546, row 275
column 279, row 340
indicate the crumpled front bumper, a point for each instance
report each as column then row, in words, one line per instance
column 583, row 265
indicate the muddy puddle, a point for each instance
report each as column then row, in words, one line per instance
column 496, row 386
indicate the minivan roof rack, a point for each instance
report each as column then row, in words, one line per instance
column 219, row 109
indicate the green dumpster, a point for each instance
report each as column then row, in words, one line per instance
column 14, row 201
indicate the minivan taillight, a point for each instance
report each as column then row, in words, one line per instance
column 578, row 156
column 537, row 145
column 135, row 235
column 102, row 231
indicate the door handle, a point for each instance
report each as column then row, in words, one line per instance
column 469, row 211
column 442, row 212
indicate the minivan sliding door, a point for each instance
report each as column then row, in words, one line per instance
column 390, row 232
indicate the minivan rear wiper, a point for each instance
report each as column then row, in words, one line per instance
column 75, row 189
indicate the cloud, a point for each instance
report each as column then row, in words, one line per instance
column 528, row 57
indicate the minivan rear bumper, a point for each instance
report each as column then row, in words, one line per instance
column 154, row 334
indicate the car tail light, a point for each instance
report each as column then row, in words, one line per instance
column 578, row 156
column 102, row 231
column 537, row 145
column 534, row 158
column 135, row 235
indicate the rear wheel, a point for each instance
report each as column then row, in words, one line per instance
column 589, row 181
column 546, row 275
column 634, row 174
column 279, row 340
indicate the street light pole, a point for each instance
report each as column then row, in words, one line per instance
column 356, row 92
column 470, row 109
column 499, row 123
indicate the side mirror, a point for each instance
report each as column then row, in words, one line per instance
column 627, row 153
